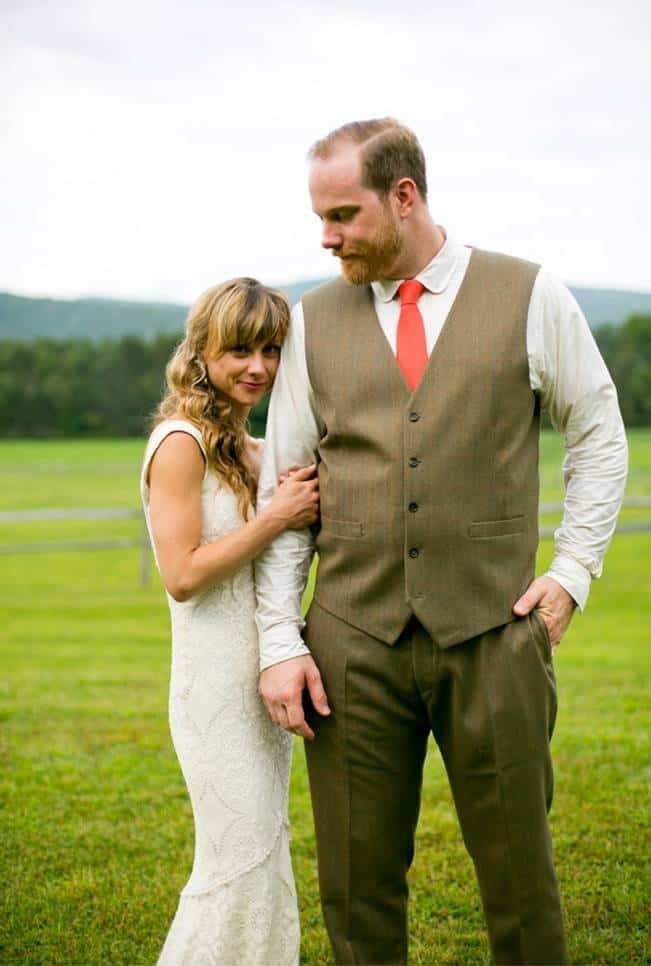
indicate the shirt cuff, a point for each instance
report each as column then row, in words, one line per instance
column 275, row 652
column 573, row 577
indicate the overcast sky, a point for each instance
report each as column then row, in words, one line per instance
column 151, row 149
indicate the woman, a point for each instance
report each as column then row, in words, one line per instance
column 198, row 487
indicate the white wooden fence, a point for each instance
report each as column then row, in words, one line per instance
column 142, row 541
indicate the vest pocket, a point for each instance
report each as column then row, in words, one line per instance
column 486, row 529
column 342, row 528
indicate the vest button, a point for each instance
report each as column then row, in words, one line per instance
column 413, row 507
column 414, row 552
column 414, row 417
column 414, row 461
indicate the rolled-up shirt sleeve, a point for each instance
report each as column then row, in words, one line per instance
column 576, row 389
column 292, row 438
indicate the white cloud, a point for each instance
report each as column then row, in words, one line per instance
column 152, row 148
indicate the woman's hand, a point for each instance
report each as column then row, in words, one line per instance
column 295, row 504
column 188, row 566
column 290, row 472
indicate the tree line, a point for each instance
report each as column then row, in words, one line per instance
column 54, row 388
column 74, row 387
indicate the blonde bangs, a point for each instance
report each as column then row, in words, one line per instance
column 249, row 316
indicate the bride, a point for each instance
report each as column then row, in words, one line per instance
column 198, row 488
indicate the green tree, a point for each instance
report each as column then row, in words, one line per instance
column 627, row 352
column 76, row 387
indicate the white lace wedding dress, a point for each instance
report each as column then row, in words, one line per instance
column 239, row 905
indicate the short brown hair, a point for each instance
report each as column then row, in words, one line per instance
column 390, row 151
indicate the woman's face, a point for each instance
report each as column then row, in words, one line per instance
column 244, row 374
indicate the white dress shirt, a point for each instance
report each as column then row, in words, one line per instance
column 566, row 371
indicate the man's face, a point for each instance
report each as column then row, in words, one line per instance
column 359, row 228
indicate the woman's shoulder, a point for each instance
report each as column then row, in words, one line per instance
column 175, row 424
column 177, row 431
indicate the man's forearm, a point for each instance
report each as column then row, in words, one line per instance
column 292, row 439
column 281, row 574
column 595, row 476
column 577, row 391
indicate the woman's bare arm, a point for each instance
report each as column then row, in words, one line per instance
column 175, row 477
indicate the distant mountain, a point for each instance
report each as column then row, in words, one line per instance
column 294, row 290
column 23, row 319
column 605, row 305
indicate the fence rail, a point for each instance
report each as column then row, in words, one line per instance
column 142, row 541
column 80, row 513
column 76, row 514
column 631, row 502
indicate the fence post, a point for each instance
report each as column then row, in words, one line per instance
column 145, row 555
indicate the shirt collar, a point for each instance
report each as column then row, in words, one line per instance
column 435, row 276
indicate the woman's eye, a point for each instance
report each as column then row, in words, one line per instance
column 240, row 350
column 271, row 350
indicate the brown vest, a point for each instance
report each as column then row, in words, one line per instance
column 429, row 501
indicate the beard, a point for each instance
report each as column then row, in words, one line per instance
column 372, row 258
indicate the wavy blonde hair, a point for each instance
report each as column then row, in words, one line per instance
column 239, row 312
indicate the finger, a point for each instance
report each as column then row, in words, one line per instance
column 556, row 617
column 280, row 717
column 317, row 692
column 269, row 705
column 305, row 472
column 297, row 722
column 304, row 731
column 525, row 604
column 295, row 715
column 556, row 627
column 551, row 625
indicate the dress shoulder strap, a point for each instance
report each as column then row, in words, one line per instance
column 159, row 433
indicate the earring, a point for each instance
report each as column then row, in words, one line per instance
column 202, row 378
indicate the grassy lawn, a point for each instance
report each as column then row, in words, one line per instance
column 96, row 826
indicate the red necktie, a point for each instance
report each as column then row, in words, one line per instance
column 412, row 348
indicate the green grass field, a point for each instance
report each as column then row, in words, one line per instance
column 96, row 827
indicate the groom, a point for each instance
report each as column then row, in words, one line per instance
column 416, row 383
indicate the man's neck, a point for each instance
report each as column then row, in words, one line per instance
column 419, row 250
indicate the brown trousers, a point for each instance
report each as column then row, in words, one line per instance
column 490, row 704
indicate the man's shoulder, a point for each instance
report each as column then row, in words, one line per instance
column 506, row 274
column 504, row 261
column 331, row 296
column 324, row 289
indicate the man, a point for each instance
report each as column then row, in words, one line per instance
column 421, row 403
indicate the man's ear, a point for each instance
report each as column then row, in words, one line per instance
column 405, row 194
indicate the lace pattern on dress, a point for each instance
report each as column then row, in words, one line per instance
column 239, row 905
